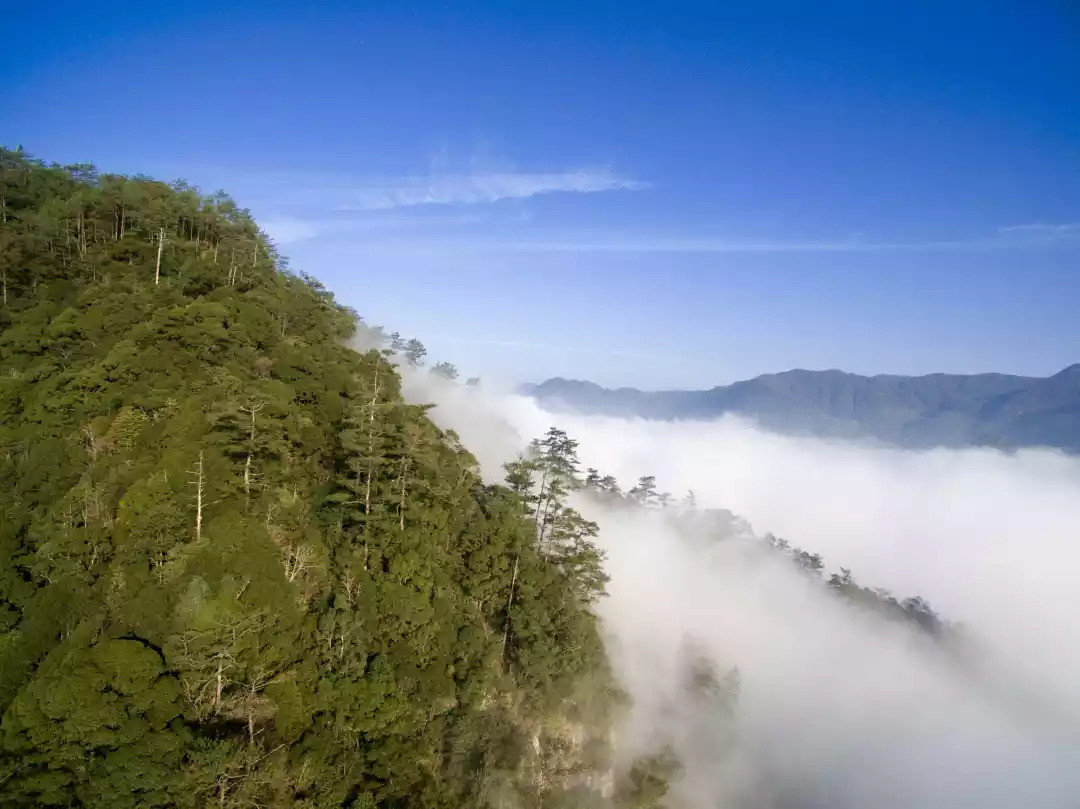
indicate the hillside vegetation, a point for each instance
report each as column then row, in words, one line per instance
column 238, row 568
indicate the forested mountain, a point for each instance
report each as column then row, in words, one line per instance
column 922, row 411
column 238, row 568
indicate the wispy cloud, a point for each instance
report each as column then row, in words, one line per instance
column 479, row 188
column 320, row 205
column 1020, row 238
column 1040, row 230
column 666, row 245
column 553, row 348
column 633, row 244
column 285, row 229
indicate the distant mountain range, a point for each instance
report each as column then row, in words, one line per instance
column 912, row 411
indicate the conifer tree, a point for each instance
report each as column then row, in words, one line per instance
column 239, row 569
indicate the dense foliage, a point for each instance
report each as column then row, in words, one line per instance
column 239, row 569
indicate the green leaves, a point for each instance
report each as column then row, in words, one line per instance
column 239, row 569
column 113, row 697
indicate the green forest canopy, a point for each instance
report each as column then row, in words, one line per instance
column 242, row 571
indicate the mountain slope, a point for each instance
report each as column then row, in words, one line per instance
column 923, row 411
column 238, row 568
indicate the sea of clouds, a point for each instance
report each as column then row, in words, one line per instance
column 836, row 708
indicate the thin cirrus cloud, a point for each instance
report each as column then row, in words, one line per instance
column 484, row 188
column 664, row 245
column 1042, row 230
column 286, row 228
column 412, row 202
column 550, row 348
column 1014, row 237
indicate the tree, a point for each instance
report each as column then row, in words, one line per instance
column 555, row 459
column 415, row 352
column 157, row 264
column 810, row 563
column 645, row 491
column 445, row 370
column 241, row 570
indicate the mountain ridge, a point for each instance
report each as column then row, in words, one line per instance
column 240, row 568
column 938, row 409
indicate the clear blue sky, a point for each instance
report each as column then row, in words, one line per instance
column 656, row 194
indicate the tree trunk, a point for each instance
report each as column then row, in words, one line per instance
column 253, row 410
column 509, row 604
column 540, row 494
column 367, row 485
column 401, row 502
column 371, row 444
column 219, row 685
column 199, row 497
column 160, row 246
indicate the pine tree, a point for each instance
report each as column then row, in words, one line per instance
column 240, row 570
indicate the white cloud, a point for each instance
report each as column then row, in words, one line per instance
column 637, row 244
column 478, row 188
column 836, row 708
column 1044, row 231
column 339, row 205
column 707, row 245
column 559, row 349
column 1018, row 237
column 285, row 229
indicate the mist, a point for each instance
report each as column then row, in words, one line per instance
column 836, row 707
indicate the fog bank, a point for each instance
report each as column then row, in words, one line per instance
column 836, row 707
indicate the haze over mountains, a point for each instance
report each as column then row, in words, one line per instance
column 950, row 410
column 250, row 561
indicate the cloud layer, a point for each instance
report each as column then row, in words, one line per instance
column 1049, row 232
column 1013, row 238
column 484, row 187
column 428, row 203
column 836, row 708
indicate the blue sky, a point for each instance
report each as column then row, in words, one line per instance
column 651, row 194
